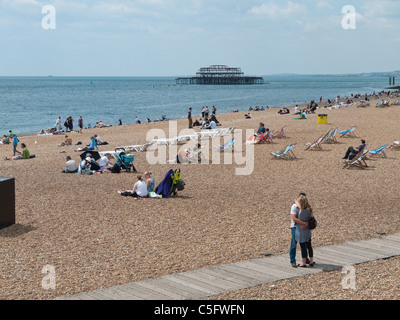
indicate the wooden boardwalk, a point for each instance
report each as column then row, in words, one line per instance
column 235, row 276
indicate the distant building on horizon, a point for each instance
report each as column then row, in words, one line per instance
column 220, row 75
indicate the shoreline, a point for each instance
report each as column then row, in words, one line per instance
column 290, row 107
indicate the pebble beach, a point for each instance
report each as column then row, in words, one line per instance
column 95, row 238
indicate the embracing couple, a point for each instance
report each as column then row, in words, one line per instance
column 301, row 214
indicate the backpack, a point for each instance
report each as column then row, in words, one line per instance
column 180, row 184
column 116, row 168
column 312, row 223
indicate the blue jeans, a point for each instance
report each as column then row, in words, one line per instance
column 293, row 245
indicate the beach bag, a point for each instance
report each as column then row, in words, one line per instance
column 180, row 184
column 312, row 223
column 116, row 168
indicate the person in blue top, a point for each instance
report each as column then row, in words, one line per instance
column 15, row 144
column 92, row 146
column 149, row 182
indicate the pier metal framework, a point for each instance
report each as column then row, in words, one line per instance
column 220, row 75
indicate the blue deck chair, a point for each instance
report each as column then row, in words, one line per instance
column 358, row 162
column 332, row 137
column 348, row 133
column 380, row 152
column 286, row 154
column 228, row 146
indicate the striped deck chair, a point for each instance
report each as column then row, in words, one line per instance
column 228, row 146
column 363, row 104
column 286, row 154
column 280, row 134
column 316, row 145
column 380, row 152
column 266, row 137
column 331, row 137
column 348, row 133
column 357, row 162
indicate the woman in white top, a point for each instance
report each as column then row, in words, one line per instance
column 139, row 189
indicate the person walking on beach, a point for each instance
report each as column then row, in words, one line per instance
column 202, row 112
column 214, row 110
column 58, row 124
column 71, row 123
column 190, row 118
column 303, row 233
column 80, row 124
column 294, row 213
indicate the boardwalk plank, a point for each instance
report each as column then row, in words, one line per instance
column 223, row 284
column 341, row 250
column 177, row 288
column 140, row 291
column 378, row 251
column 177, row 279
column 257, row 276
column 235, row 276
column 220, row 274
column 374, row 246
column 118, row 294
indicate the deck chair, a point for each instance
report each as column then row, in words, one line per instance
column 280, row 134
column 316, row 145
column 395, row 145
column 380, row 152
column 363, row 104
column 331, row 137
column 227, row 146
column 286, row 154
column 357, row 162
column 348, row 133
column 195, row 156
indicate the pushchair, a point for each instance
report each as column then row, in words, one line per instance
column 124, row 160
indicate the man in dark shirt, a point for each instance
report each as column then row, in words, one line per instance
column 190, row 118
column 351, row 152
column 261, row 129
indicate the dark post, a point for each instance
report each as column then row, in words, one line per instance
column 7, row 208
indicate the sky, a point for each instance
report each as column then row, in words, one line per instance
column 177, row 37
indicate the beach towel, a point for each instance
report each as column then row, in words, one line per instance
column 165, row 185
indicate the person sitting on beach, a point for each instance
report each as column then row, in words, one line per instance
column 183, row 155
column 6, row 140
column 70, row 166
column 212, row 125
column 92, row 145
column 66, row 142
column 105, row 163
column 261, row 129
column 150, row 183
column 100, row 142
column 139, row 189
column 24, row 154
column 302, row 116
column 196, row 123
column 297, row 109
column 351, row 152
column 248, row 116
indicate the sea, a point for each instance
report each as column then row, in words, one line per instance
column 30, row 104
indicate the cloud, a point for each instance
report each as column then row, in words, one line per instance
column 274, row 11
column 324, row 5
